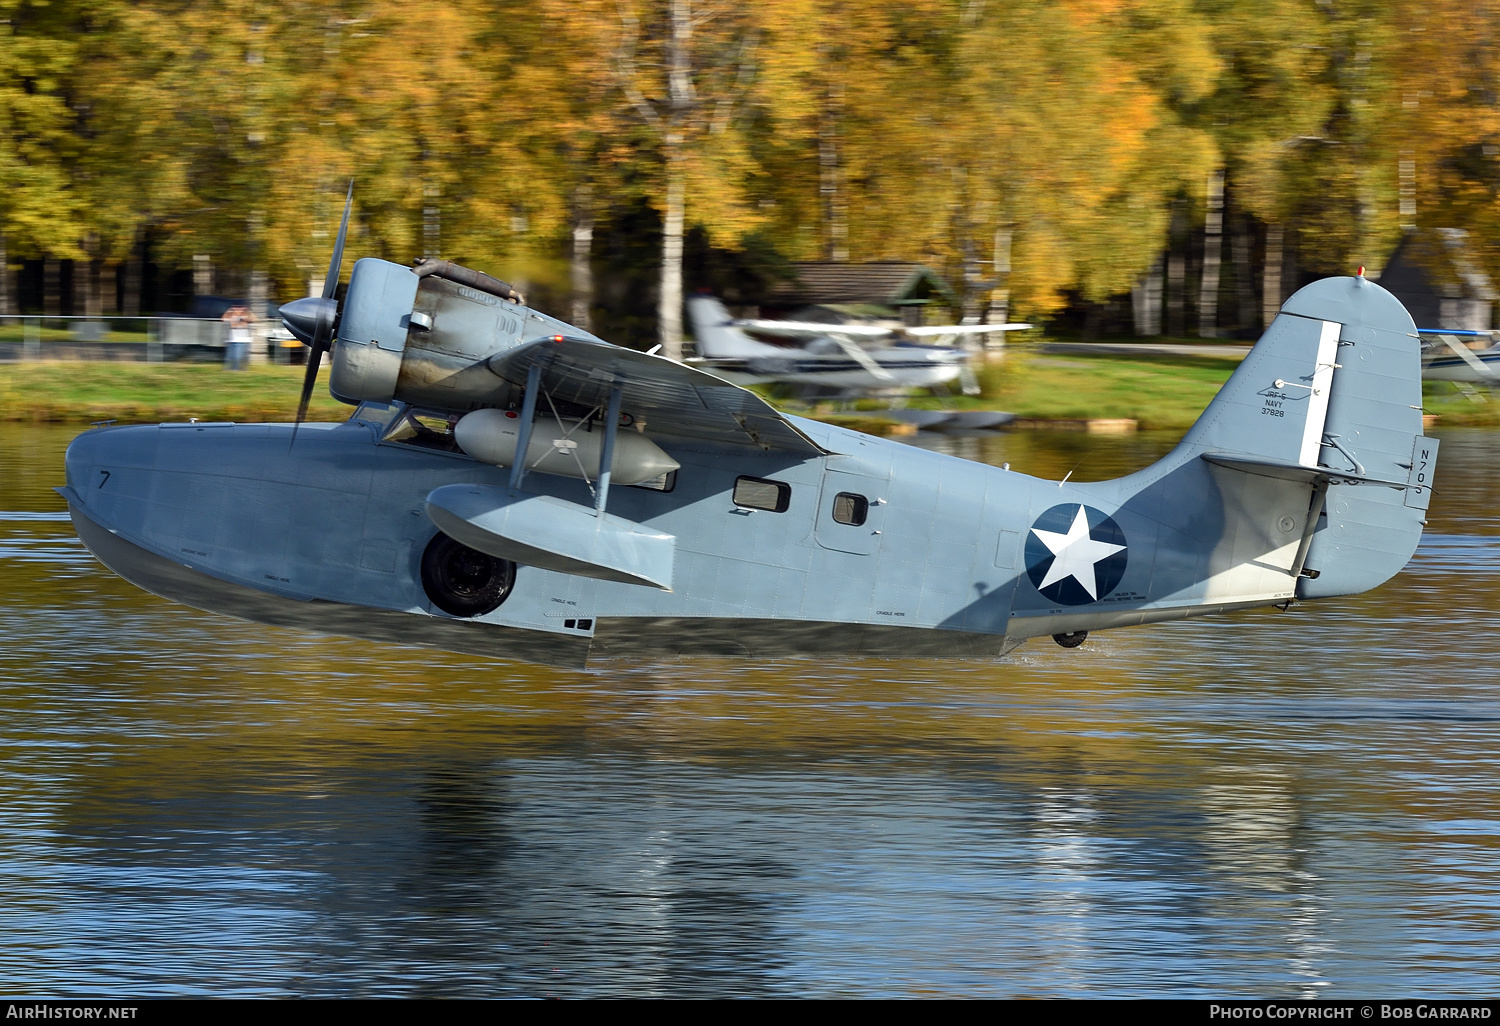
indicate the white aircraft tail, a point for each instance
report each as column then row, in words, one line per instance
column 717, row 335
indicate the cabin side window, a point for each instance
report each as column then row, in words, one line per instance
column 850, row 509
column 758, row 493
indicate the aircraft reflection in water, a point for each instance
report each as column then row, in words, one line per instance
column 831, row 356
column 510, row 485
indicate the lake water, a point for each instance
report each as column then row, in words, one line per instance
column 1268, row 804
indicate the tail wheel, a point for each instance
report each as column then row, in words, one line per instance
column 1071, row 640
column 462, row 581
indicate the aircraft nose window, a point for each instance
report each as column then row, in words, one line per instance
column 428, row 430
column 850, row 509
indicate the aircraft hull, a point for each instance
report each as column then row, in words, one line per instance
column 329, row 536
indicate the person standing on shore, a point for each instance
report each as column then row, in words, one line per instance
column 237, row 352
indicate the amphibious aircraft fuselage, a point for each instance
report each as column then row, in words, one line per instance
column 554, row 498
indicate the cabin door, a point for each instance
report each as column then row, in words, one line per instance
column 851, row 512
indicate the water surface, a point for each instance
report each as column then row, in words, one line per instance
column 1264, row 804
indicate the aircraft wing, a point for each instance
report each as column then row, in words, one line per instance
column 965, row 329
column 673, row 399
column 811, row 329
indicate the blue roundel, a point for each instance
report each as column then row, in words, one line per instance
column 1075, row 554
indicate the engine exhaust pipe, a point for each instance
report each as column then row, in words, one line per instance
column 477, row 280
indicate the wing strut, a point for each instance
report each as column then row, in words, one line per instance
column 607, row 452
column 854, row 351
column 523, row 434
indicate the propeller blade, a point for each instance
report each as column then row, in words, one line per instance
column 331, row 282
column 309, row 379
column 325, row 317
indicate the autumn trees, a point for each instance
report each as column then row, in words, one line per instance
column 1197, row 154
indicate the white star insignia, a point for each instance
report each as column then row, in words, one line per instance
column 1074, row 554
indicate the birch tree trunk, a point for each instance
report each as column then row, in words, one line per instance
column 669, row 303
column 1154, row 284
column 681, row 119
column 1146, row 300
column 581, row 269
column 830, row 176
column 203, row 274
column 680, row 102
column 999, row 312
column 260, row 292
column 1213, row 246
column 1270, row 296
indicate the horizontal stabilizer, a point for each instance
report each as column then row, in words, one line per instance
column 1287, row 471
column 553, row 534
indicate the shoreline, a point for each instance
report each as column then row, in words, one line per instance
column 1046, row 392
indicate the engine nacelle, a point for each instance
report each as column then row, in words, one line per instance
column 423, row 338
column 372, row 331
column 569, row 449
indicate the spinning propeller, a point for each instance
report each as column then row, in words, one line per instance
column 315, row 319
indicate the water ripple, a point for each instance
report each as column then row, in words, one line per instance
column 1261, row 804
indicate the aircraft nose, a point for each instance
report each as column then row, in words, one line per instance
column 82, row 454
column 101, row 450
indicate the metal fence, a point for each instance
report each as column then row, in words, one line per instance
column 136, row 339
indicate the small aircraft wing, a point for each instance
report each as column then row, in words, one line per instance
column 672, row 398
column 965, row 329
column 811, row 329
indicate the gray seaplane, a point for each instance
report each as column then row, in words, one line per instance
column 849, row 359
column 512, row 486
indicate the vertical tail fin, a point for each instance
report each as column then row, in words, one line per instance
column 1335, row 387
column 1308, row 475
column 1339, row 368
column 717, row 336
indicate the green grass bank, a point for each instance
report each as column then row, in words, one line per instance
column 1159, row 393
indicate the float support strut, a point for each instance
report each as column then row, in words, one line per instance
column 607, row 452
column 523, row 435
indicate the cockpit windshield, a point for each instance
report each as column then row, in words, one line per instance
column 424, row 428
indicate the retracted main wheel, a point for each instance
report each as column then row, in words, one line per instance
column 1071, row 640
column 462, row 581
